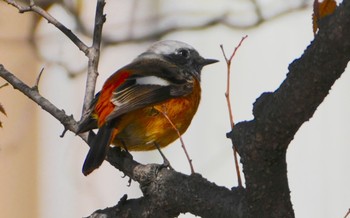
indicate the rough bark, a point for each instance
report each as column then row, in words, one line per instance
column 262, row 142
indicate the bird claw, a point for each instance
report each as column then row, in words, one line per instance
column 127, row 154
column 166, row 164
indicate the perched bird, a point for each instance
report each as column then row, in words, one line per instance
column 129, row 111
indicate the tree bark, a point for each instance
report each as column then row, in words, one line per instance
column 262, row 142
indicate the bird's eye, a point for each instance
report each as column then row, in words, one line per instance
column 184, row 53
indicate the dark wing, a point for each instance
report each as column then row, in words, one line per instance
column 133, row 95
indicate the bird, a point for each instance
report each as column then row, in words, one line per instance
column 129, row 111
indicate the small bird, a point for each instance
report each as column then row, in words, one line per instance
column 129, row 110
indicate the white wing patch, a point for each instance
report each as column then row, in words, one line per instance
column 152, row 80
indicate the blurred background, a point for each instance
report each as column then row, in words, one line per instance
column 40, row 173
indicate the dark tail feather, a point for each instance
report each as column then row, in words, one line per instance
column 98, row 149
column 88, row 121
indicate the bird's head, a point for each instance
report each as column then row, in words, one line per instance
column 179, row 54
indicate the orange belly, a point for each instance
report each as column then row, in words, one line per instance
column 139, row 130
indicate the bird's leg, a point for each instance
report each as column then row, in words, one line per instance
column 126, row 151
column 163, row 111
column 166, row 162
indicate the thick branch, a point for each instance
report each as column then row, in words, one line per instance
column 262, row 142
column 168, row 193
column 188, row 193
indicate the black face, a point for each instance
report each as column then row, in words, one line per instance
column 189, row 60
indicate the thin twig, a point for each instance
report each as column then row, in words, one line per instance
column 220, row 19
column 3, row 85
column 94, row 56
column 93, row 52
column 163, row 111
column 347, row 214
column 2, row 109
column 227, row 95
column 258, row 12
column 36, row 86
column 35, row 8
column 67, row 121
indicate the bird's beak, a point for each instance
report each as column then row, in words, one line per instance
column 208, row 61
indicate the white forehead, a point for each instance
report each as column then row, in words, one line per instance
column 168, row 47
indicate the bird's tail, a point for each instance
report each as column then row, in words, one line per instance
column 98, row 149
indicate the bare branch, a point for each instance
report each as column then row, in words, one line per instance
column 191, row 193
column 21, row 8
column 156, row 183
column 164, row 113
column 227, row 95
column 347, row 214
column 93, row 52
column 36, row 86
column 223, row 19
column 262, row 142
column 34, row 8
column 258, row 11
column 228, row 63
column 94, row 56
column 3, row 85
column 67, row 121
column 2, row 109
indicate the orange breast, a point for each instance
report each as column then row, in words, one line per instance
column 139, row 130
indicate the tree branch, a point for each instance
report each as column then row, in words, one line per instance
column 93, row 52
column 148, row 176
column 192, row 193
column 94, row 56
column 228, row 100
column 263, row 141
column 156, row 183
column 223, row 19
column 189, row 193
column 67, row 121
column 34, row 8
